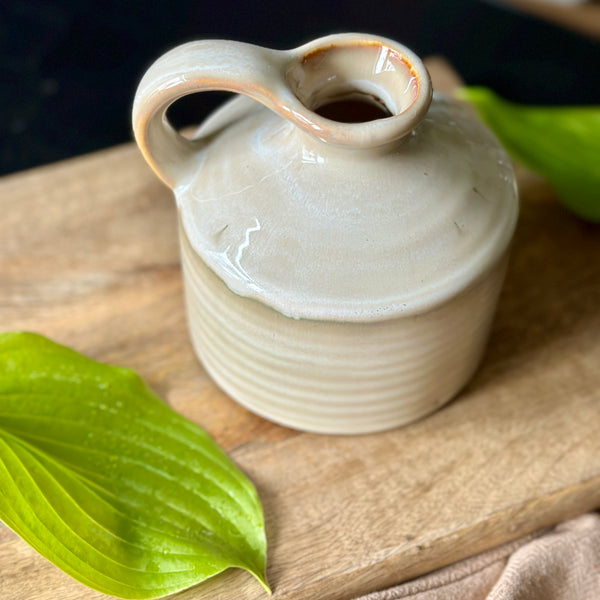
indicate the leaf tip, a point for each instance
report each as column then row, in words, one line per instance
column 262, row 578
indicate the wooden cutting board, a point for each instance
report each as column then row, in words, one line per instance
column 89, row 257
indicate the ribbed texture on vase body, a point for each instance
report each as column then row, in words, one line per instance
column 336, row 377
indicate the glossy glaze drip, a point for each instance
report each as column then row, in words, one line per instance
column 355, row 237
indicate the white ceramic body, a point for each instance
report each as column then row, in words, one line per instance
column 338, row 279
column 337, row 377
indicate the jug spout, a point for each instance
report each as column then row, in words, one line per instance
column 350, row 89
column 358, row 90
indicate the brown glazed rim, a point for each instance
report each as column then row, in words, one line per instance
column 366, row 134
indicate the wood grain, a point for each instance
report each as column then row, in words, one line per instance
column 582, row 17
column 89, row 257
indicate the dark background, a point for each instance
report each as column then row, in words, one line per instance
column 69, row 69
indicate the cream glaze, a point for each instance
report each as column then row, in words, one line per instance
column 339, row 278
column 326, row 232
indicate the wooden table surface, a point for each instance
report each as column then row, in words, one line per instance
column 89, row 257
column 580, row 17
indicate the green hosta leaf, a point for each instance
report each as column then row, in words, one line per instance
column 560, row 143
column 110, row 484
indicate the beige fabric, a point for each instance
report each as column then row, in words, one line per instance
column 558, row 564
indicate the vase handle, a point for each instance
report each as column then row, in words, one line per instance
column 196, row 67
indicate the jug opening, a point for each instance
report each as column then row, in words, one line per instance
column 356, row 82
column 355, row 108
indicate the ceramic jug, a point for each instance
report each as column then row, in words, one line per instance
column 344, row 232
